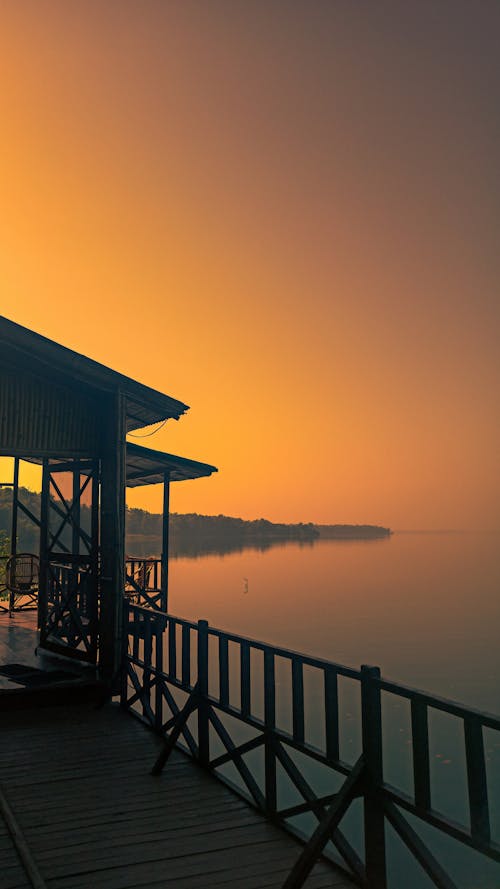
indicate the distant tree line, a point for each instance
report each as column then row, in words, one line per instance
column 193, row 534
column 186, row 531
column 190, row 534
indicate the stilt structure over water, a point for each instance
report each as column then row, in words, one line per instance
column 90, row 797
column 72, row 415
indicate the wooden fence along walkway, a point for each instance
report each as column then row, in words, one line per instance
column 217, row 694
column 143, row 582
column 77, row 793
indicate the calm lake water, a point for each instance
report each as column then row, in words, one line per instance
column 424, row 607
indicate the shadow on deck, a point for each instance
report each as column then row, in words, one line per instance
column 77, row 783
column 31, row 678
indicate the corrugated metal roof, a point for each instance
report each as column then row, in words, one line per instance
column 37, row 416
column 27, row 350
column 144, row 466
column 147, row 467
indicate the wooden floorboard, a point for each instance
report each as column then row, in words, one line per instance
column 12, row 873
column 78, row 782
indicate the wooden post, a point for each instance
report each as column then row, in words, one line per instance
column 420, row 746
column 245, row 696
column 43, row 578
column 270, row 725
column 94, row 544
column 124, row 672
column 332, row 713
column 75, row 511
column 223, row 671
column 75, row 538
column 371, row 715
column 203, row 726
column 158, row 665
column 298, row 700
column 113, row 641
column 164, row 541
column 148, row 662
column 13, row 529
column 477, row 780
column 15, row 499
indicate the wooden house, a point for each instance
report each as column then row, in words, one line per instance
column 72, row 415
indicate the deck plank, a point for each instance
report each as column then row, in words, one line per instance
column 12, row 874
column 79, row 783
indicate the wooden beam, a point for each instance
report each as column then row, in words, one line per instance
column 15, row 503
column 165, row 541
column 112, row 636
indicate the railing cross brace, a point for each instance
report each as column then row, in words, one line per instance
column 180, row 721
column 317, row 842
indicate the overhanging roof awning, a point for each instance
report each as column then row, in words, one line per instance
column 143, row 466
column 36, row 354
column 148, row 467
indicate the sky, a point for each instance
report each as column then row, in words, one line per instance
column 284, row 214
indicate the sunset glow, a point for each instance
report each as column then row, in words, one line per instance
column 285, row 215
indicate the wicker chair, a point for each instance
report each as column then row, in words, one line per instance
column 22, row 576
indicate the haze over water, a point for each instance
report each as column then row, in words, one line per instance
column 424, row 607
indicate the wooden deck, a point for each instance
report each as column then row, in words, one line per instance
column 77, row 782
column 18, row 640
column 60, row 681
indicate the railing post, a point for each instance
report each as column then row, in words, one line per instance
column 148, row 660
column 158, row 710
column 371, row 715
column 203, row 727
column 270, row 725
column 125, row 659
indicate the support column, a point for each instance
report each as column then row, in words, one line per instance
column 43, row 578
column 13, row 527
column 75, row 531
column 75, row 539
column 15, row 501
column 164, row 541
column 112, row 580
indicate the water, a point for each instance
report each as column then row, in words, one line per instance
column 424, row 607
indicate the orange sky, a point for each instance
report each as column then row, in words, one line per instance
column 283, row 214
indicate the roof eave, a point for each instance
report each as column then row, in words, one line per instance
column 57, row 358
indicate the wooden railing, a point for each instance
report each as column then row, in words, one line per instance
column 217, row 694
column 69, row 610
column 143, row 583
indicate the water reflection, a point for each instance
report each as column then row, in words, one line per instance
column 423, row 607
column 144, row 547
